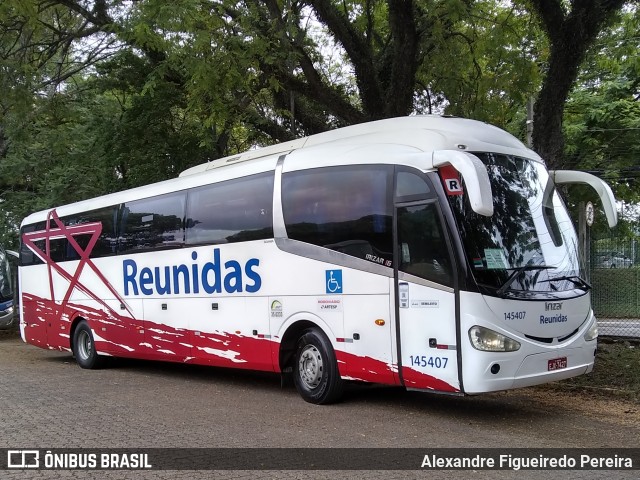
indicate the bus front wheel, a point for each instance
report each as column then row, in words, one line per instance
column 84, row 347
column 315, row 370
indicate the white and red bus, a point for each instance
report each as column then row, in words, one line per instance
column 429, row 252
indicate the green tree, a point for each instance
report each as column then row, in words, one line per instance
column 572, row 28
column 145, row 89
column 602, row 118
column 148, row 132
column 488, row 69
column 50, row 160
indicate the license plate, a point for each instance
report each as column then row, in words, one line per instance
column 557, row 363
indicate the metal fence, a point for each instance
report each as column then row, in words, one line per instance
column 614, row 272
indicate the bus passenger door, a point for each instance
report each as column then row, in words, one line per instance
column 425, row 300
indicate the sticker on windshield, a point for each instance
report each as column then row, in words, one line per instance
column 495, row 259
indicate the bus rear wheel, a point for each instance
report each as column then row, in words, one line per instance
column 84, row 347
column 315, row 370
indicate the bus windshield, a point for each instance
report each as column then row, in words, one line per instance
column 6, row 292
column 528, row 245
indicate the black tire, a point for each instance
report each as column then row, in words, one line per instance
column 84, row 347
column 315, row 369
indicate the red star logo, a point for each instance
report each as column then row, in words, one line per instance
column 69, row 232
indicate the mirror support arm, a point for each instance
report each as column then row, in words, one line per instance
column 475, row 176
column 603, row 190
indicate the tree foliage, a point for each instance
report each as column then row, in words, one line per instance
column 602, row 118
column 571, row 28
column 101, row 95
column 494, row 68
column 603, row 111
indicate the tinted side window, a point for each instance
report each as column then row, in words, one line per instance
column 422, row 244
column 61, row 249
column 153, row 223
column 233, row 211
column 27, row 257
column 410, row 184
column 346, row 209
column 107, row 240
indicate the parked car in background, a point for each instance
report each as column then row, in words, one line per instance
column 614, row 260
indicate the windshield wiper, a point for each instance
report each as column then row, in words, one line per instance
column 516, row 273
column 579, row 282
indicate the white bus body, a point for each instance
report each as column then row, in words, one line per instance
column 428, row 252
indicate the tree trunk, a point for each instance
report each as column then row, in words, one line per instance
column 548, row 137
column 570, row 35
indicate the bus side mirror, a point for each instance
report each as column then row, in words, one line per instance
column 603, row 190
column 475, row 177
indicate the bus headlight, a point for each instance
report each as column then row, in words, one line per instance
column 487, row 340
column 592, row 333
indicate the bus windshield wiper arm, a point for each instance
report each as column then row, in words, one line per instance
column 578, row 281
column 516, row 272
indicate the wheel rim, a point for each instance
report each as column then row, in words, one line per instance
column 310, row 366
column 85, row 345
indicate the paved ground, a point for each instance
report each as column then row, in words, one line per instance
column 47, row 401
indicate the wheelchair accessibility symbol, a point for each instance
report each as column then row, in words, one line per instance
column 334, row 281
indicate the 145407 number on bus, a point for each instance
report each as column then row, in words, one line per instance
column 514, row 315
column 425, row 361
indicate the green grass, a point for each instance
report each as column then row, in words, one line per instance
column 616, row 372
